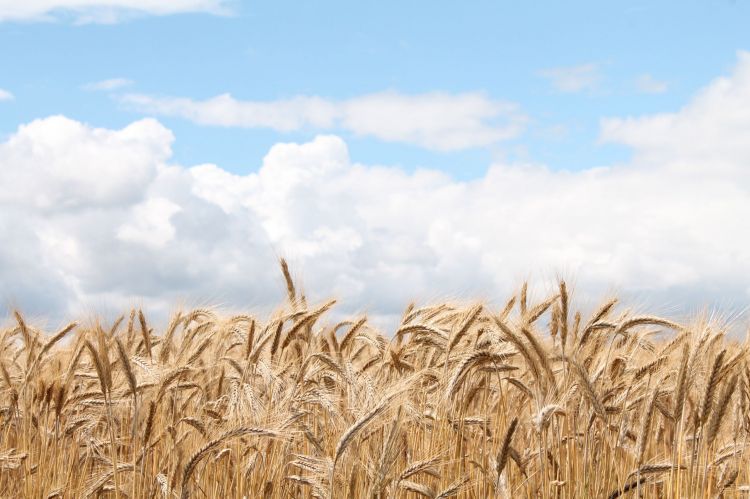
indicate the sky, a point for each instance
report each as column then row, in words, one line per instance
column 168, row 152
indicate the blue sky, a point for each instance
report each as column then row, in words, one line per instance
column 338, row 50
column 170, row 151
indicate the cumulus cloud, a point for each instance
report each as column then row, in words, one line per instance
column 108, row 85
column 573, row 79
column 57, row 163
column 101, row 11
column 150, row 223
column 103, row 217
column 89, row 216
column 712, row 129
column 647, row 84
column 5, row 95
column 435, row 120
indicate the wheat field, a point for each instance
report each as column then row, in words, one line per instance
column 531, row 400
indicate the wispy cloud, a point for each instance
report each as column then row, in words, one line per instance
column 5, row 95
column 102, row 11
column 647, row 84
column 107, row 85
column 437, row 121
column 573, row 79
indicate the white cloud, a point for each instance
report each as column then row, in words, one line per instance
column 101, row 218
column 5, row 95
column 101, row 11
column 224, row 110
column 711, row 129
column 436, row 120
column 573, row 79
column 108, row 85
column 150, row 223
column 58, row 163
column 647, row 84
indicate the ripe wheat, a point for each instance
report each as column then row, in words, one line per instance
column 458, row 402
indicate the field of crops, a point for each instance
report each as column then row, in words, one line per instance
column 531, row 400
